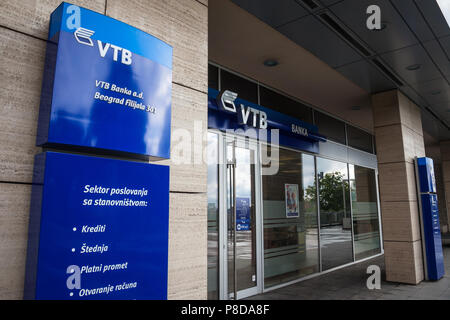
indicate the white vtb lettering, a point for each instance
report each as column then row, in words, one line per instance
column 125, row 57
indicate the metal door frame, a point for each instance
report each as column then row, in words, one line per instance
column 223, row 227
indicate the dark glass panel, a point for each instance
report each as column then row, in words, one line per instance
column 285, row 105
column 359, row 139
column 245, row 89
column 331, row 128
column 213, row 77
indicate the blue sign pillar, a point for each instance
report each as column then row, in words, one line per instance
column 98, row 226
column 99, row 229
column 431, row 233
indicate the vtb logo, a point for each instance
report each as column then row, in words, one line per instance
column 258, row 119
column 83, row 36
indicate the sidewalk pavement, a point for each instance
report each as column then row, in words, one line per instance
column 350, row 284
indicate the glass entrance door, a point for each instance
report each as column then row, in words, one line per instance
column 241, row 222
column 335, row 214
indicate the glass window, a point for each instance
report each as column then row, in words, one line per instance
column 331, row 128
column 213, row 77
column 213, row 216
column 366, row 226
column 285, row 105
column 245, row 89
column 290, row 219
column 359, row 139
column 335, row 214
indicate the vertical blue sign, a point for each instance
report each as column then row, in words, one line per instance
column 98, row 230
column 106, row 85
column 431, row 233
column 243, row 218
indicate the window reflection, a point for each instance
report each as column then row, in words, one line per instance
column 335, row 214
column 213, row 216
column 359, row 139
column 290, row 241
column 366, row 226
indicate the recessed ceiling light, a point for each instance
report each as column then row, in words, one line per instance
column 414, row 67
column 271, row 63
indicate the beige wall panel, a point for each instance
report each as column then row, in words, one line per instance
column 389, row 149
column 400, row 221
column 187, row 246
column 419, row 144
column 397, row 182
column 410, row 114
column 14, row 215
column 205, row 2
column 411, row 178
column 403, row 260
column 189, row 123
column 21, row 69
column 182, row 24
column 33, row 16
column 413, row 144
column 385, row 111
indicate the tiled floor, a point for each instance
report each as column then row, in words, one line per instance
column 350, row 283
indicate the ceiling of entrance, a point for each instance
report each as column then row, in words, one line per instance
column 329, row 58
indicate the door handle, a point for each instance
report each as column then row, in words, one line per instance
column 231, row 165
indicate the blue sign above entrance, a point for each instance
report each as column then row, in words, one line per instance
column 98, row 229
column 227, row 112
column 107, row 85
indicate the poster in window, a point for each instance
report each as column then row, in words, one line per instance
column 292, row 203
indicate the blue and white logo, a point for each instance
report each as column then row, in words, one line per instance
column 83, row 36
column 258, row 118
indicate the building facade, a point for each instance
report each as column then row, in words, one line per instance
column 302, row 207
column 331, row 181
column 24, row 31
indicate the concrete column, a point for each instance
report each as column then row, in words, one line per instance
column 445, row 167
column 399, row 139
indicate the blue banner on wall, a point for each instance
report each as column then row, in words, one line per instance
column 98, row 229
column 106, row 85
column 431, row 230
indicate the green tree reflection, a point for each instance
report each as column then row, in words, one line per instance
column 332, row 190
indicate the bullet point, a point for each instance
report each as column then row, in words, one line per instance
column 73, row 249
column 71, row 294
column 74, row 229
